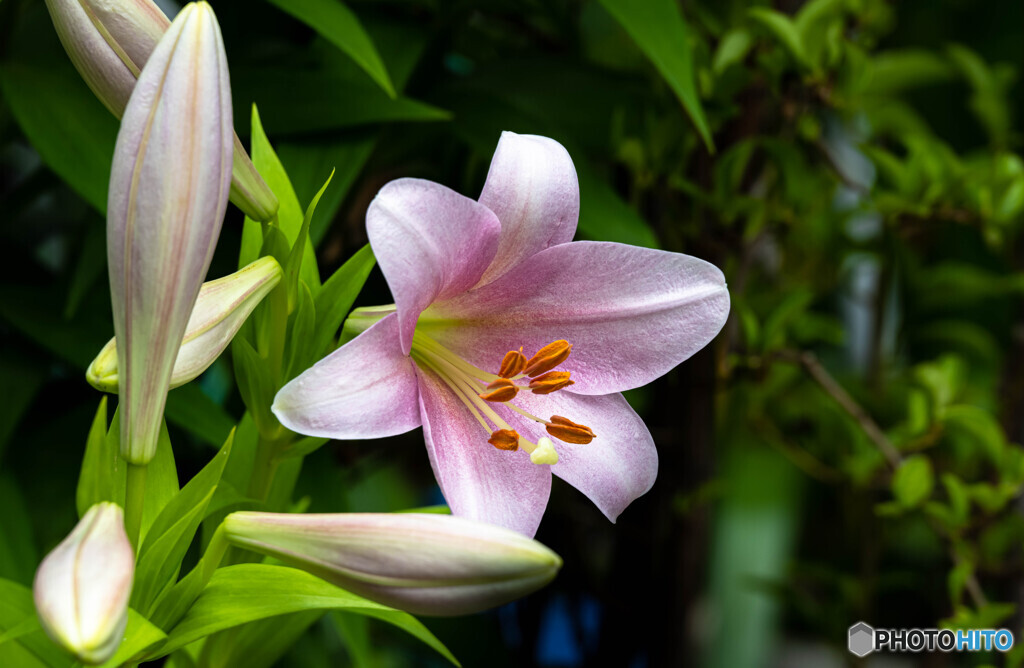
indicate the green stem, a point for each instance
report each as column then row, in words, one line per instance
column 134, row 500
column 264, row 467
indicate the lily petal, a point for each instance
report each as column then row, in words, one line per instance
column 478, row 480
column 365, row 389
column 431, row 242
column 532, row 187
column 614, row 469
column 631, row 313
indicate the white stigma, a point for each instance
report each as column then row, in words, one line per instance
column 545, row 452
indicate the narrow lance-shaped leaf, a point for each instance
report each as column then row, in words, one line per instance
column 245, row 593
column 336, row 22
column 658, row 28
column 175, row 145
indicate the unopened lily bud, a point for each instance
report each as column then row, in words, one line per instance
column 82, row 587
column 168, row 193
column 109, row 42
column 220, row 311
column 424, row 564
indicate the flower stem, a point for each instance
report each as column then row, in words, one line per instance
column 264, row 467
column 134, row 499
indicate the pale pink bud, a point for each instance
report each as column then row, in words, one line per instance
column 168, row 193
column 82, row 587
column 422, row 563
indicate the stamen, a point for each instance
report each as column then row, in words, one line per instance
column 505, row 439
column 548, row 357
column 566, row 430
column 513, row 363
column 465, row 381
column 458, row 393
column 460, row 381
column 500, row 391
column 549, row 382
column 430, row 345
column 545, row 452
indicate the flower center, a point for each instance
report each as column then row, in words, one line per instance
column 478, row 390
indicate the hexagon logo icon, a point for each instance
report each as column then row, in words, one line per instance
column 862, row 639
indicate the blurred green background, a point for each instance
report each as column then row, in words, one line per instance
column 847, row 448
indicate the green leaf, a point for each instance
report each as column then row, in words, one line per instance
column 139, row 636
column 259, row 644
column 957, row 580
column 168, row 539
column 302, row 447
column 732, row 49
column 429, row 510
column 289, row 215
column 33, row 648
column 658, row 28
column 74, row 341
column 248, row 592
column 816, row 22
column 191, row 409
column 161, row 481
column 339, row 102
column 979, row 426
column 782, row 28
column 18, row 557
column 99, row 465
column 91, row 264
column 293, row 263
column 254, row 383
column 308, row 161
column 302, row 355
column 70, row 129
column 355, row 632
column 338, row 295
column 337, row 23
column 898, row 70
column 913, row 480
column 103, row 471
column 959, row 503
column 28, row 378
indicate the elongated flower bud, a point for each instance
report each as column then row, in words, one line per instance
column 168, row 193
column 82, row 588
column 425, row 564
column 109, row 42
column 221, row 309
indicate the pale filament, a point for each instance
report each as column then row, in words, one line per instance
column 461, row 381
column 471, row 386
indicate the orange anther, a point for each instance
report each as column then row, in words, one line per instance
column 550, row 382
column 566, row 430
column 505, row 439
column 500, row 391
column 513, row 363
column 547, row 358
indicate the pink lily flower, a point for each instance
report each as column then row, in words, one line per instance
column 506, row 338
